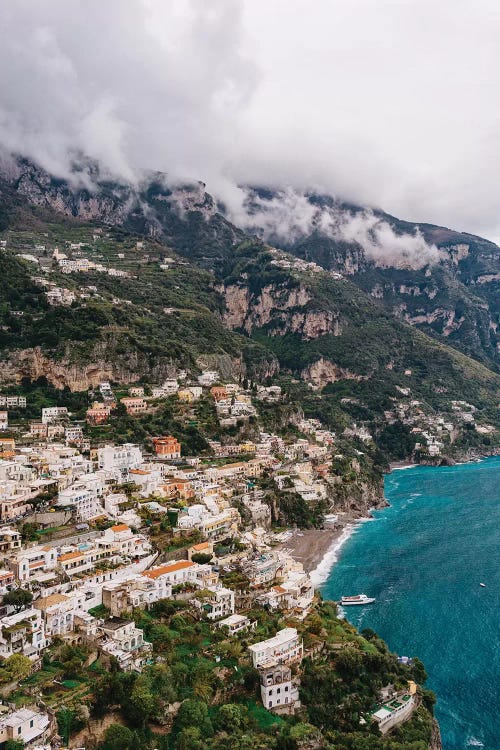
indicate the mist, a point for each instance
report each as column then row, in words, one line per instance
column 286, row 217
column 384, row 104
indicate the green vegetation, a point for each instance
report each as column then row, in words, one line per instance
column 18, row 598
column 202, row 692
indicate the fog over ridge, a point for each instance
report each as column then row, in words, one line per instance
column 386, row 104
column 287, row 216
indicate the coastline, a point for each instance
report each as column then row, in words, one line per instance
column 318, row 549
column 325, row 566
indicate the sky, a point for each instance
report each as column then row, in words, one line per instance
column 389, row 103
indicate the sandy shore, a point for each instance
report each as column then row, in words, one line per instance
column 311, row 545
column 401, row 465
column 318, row 549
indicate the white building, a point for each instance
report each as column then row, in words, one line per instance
column 396, row 710
column 217, row 602
column 13, row 402
column 208, row 377
column 83, row 500
column 51, row 413
column 170, row 386
column 25, row 725
column 286, row 646
column 277, row 689
column 137, row 591
column 125, row 643
column 23, row 633
column 57, row 612
column 73, row 434
column 236, row 624
column 119, row 458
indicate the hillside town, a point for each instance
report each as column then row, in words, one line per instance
column 91, row 534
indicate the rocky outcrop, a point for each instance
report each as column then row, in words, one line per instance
column 356, row 497
column 278, row 308
column 435, row 743
column 237, row 299
column 323, row 371
column 104, row 363
column 450, row 322
column 84, row 199
column 246, row 311
column 458, row 252
column 34, row 364
column 312, row 324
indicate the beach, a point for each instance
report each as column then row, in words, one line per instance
column 311, row 545
column 317, row 549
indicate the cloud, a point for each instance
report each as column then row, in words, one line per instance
column 382, row 244
column 137, row 85
column 287, row 216
column 387, row 104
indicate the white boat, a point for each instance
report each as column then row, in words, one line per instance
column 350, row 601
column 483, row 585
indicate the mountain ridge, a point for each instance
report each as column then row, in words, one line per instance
column 453, row 298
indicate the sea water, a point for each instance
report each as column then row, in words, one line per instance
column 423, row 558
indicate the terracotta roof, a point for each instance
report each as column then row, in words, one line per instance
column 48, row 601
column 172, row 568
column 120, row 527
column 70, row 556
column 201, row 545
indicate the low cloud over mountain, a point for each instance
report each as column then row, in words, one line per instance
column 387, row 105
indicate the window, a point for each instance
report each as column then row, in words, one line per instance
column 31, row 724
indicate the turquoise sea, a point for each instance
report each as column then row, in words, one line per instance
column 423, row 558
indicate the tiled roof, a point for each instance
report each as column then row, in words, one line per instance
column 164, row 569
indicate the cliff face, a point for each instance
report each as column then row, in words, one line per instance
column 356, row 496
column 444, row 282
column 279, row 309
column 186, row 217
column 110, row 204
column 324, row 371
column 104, row 364
column 454, row 296
column 77, row 376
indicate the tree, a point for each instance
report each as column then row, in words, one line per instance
column 18, row 666
column 418, row 671
column 14, row 745
column 28, row 530
column 82, row 714
column 117, row 737
column 142, row 701
column 200, row 558
column 232, row 717
column 18, row 598
column 190, row 739
column 194, row 713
